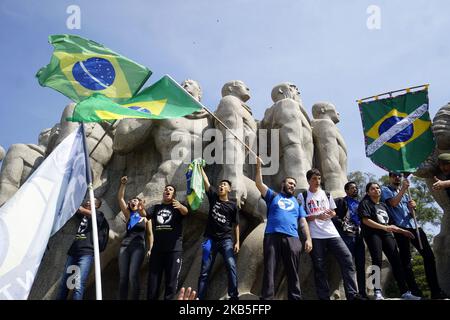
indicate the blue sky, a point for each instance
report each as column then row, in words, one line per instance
column 324, row 47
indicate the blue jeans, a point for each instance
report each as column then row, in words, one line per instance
column 78, row 276
column 355, row 243
column 210, row 250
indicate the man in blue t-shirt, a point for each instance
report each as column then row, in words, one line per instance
column 281, row 235
column 399, row 205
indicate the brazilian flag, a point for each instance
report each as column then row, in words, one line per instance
column 163, row 100
column 80, row 67
column 194, row 180
column 397, row 131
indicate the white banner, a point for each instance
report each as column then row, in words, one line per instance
column 42, row 205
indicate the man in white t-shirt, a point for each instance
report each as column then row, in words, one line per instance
column 319, row 206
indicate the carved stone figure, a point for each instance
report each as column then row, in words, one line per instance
column 429, row 170
column 2, row 153
column 295, row 134
column 330, row 149
column 20, row 161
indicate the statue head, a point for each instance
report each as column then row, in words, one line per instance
column 441, row 127
column 44, row 137
column 2, row 153
column 325, row 110
column 286, row 90
column 193, row 87
column 236, row 88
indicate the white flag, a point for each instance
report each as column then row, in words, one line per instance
column 50, row 196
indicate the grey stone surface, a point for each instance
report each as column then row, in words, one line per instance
column 295, row 142
column 330, row 149
column 2, row 153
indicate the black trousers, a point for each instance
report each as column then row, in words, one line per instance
column 168, row 263
column 130, row 261
column 429, row 261
column 379, row 243
column 282, row 247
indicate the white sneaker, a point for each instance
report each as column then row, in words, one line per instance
column 409, row 296
column 378, row 295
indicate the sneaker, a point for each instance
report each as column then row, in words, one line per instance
column 378, row 295
column 409, row 296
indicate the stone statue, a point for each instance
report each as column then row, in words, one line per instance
column 2, row 153
column 295, row 134
column 19, row 162
column 330, row 149
column 429, row 170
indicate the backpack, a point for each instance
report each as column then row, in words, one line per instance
column 103, row 235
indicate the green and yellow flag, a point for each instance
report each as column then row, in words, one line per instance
column 80, row 67
column 163, row 100
column 195, row 186
column 397, row 131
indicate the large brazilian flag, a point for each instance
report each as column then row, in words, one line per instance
column 164, row 99
column 397, row 131
column 80, row 67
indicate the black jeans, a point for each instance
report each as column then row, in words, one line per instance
column 379, row 243
column 168, row 263
column 286, row 248
column 344, row 258
column 355, row 243
column 130, row 261
column 429, row 261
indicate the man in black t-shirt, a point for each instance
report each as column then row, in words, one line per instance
column 166, row 251
column 81, row 253
column 223, row 217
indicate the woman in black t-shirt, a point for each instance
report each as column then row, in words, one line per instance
column 379, row 237
column 132, row 250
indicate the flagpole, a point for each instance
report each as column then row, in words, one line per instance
column 413, row 214
column 218, row 120
column 391, row 92
column 98, row 279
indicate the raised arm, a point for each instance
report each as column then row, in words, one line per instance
column 84, row 211
column 393, row 202
column 120, row 197
column 259, row 180
column 205, row 180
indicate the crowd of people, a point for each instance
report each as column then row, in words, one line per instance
column 312, row 222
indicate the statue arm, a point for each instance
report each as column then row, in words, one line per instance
column 326, row 135
column 131, row 133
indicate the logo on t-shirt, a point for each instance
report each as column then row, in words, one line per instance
column 382, row 216
column 286, row 204
column 163, row 216
column 216, row 215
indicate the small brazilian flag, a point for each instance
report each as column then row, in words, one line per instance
column 80, row 67
column 397, row 131
column 163, row 100
column 194, row 181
